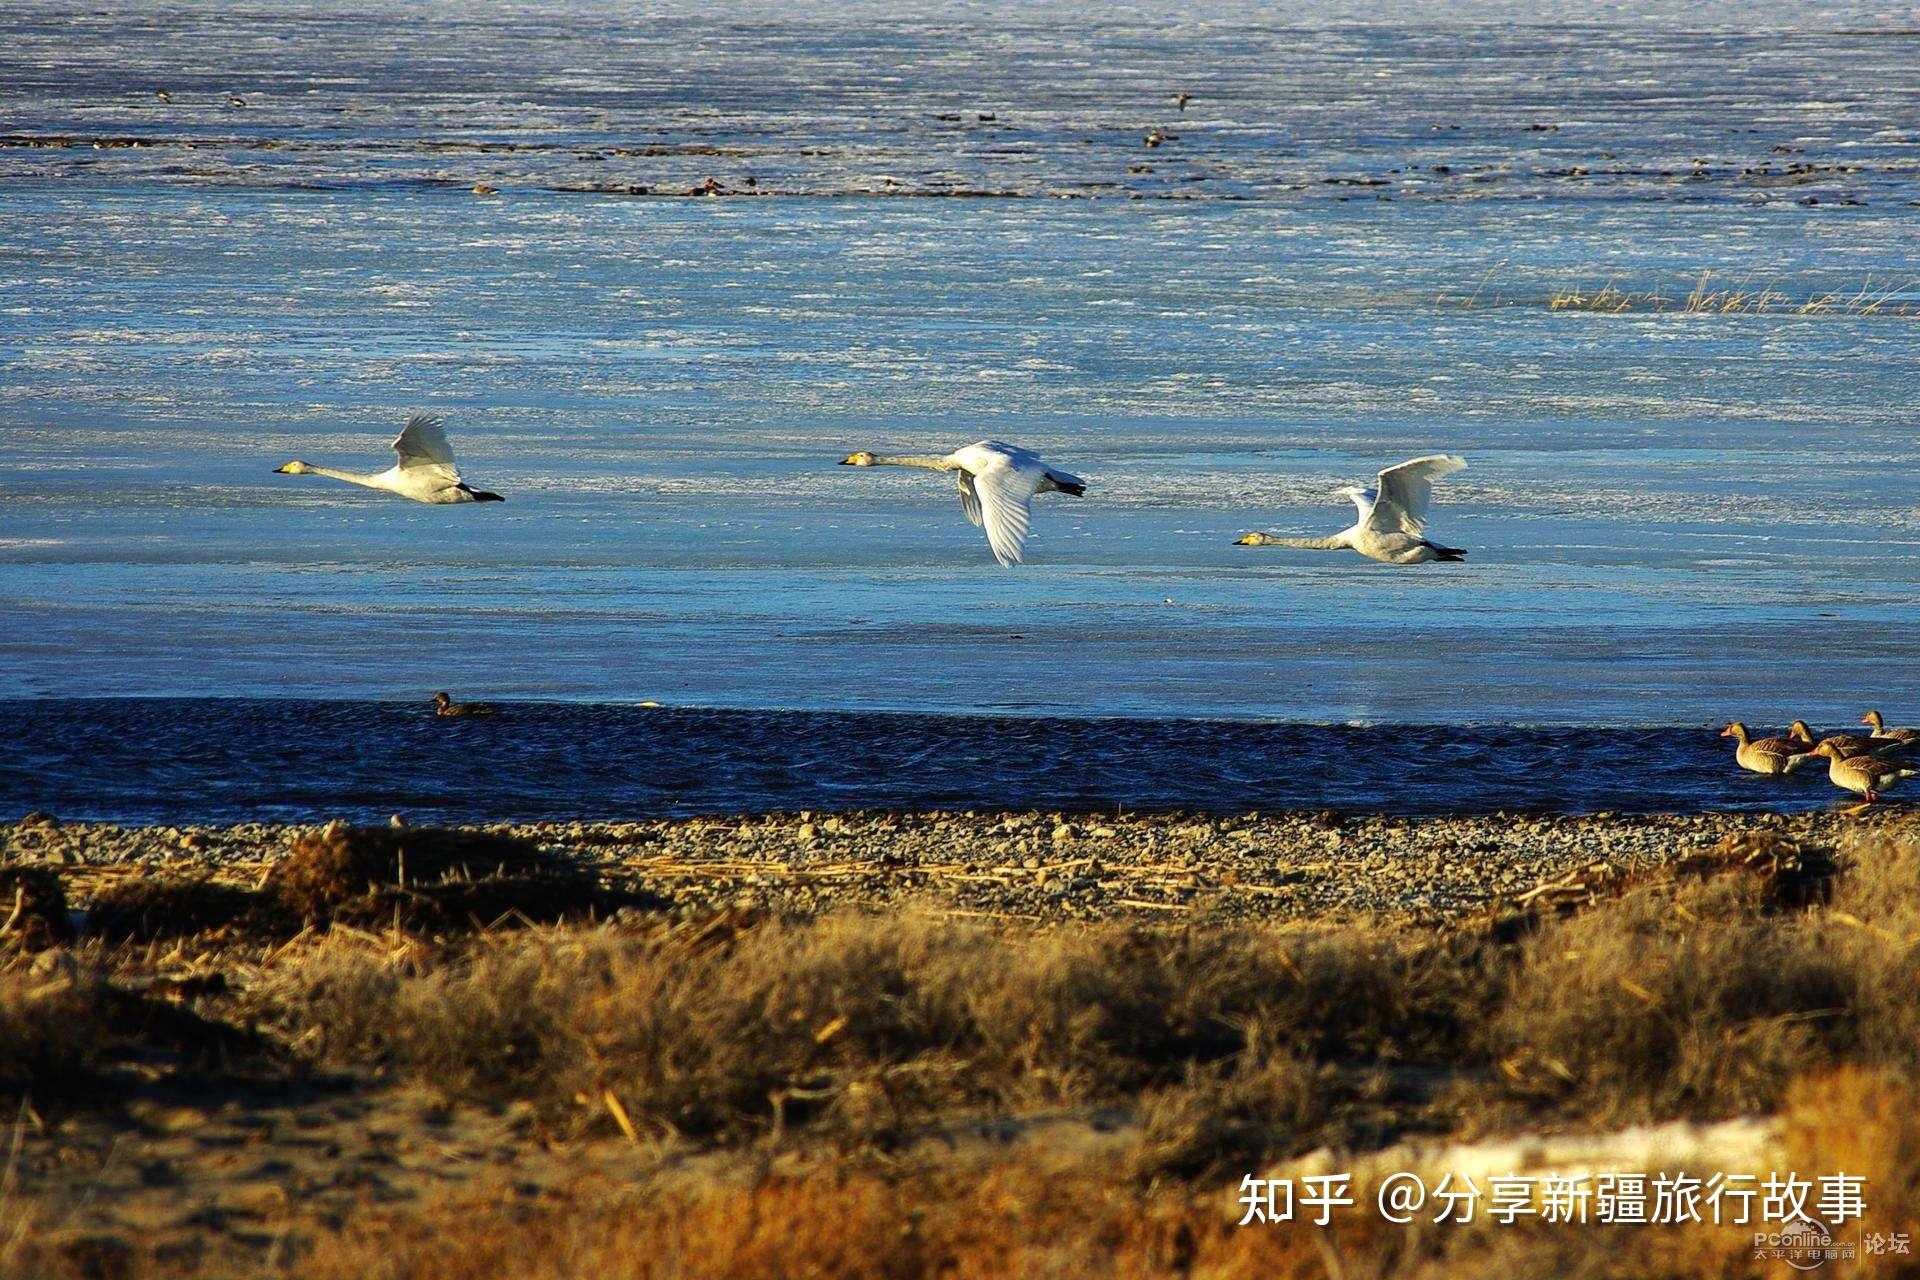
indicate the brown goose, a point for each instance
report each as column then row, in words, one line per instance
column 446, row 706
column 1771, row 756
column 1881, row 731
column 1849, row 744
column 1863, row 775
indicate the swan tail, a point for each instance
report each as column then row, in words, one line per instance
column 1067, row 483
column 480, row 495
column 1447, row 555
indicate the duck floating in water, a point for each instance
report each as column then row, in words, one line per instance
column 444, row 705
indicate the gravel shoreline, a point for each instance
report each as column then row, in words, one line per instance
column 1020, row 866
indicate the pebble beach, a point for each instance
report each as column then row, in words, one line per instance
column 1022, row 866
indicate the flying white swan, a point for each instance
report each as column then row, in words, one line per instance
column 425, row 471
column 1392, row 518
column 997, row 483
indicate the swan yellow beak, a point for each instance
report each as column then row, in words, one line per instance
column 1251, row 540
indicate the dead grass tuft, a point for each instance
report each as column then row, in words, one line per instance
column 1708, row 296
column 1225, row 1119
column 1783, row 875
column 1607, row 298
column 1873, row 928
column 1686, row 1000
column 1864, row 1122
column 53, row 1032
column 434, row 878
column 33, row 908
column 336, row 866
column 1881, row 883
column 138, row 909
column 1787, row 874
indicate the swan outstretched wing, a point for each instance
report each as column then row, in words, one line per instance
column 423, row 443
column 1005, row 494
column 1405, row 491
column 969, row 500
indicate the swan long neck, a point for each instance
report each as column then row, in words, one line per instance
column 371, row 482
column 1332, row 542
column 914, row 460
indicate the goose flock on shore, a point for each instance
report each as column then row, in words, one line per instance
column 1866, row 764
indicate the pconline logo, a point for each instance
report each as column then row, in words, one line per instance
column 1803, row 1243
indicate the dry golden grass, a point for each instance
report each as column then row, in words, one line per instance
column 53, row 1032
column 1681, row 998
column 1222, row 1120
column 33, row 909
column 1607, row 298
column 1709, row 296
column 1672, row 1003
column 824, row 1087
column 1686, row 997
column 431, row 879
column 872, row 1025
column 1864, row 1122
column 150, row 908
column 1049, row 1224
column 1705, row 999
column 835, row 1224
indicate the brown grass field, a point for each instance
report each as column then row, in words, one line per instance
column 443, row 1055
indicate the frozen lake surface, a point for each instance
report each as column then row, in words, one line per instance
column 1346, row 253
